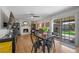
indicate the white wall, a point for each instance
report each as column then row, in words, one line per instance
column 65, row 13
column 0, row 18
column 4, row 15
column 77, row 29
column 5, row 10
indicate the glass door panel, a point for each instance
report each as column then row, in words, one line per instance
column 65, row 28
column 68, row 34
column 57, row 31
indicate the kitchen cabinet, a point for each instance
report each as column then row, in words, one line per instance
column 6, row 47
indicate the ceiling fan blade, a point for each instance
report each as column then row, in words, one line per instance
column 36, row 16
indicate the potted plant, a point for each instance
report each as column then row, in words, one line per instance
column 45, row 31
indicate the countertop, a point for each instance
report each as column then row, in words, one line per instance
column 5, row 39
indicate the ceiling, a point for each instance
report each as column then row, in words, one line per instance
column 21, row 12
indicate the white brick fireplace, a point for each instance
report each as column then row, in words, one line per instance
column 25, row 29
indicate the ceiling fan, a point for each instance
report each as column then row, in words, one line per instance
column 34, row 15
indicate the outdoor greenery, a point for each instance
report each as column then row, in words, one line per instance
column 69, row 32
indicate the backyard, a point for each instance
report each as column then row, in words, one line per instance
column 69, row 32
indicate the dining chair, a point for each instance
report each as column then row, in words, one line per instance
column 49, row 43
column 37, row 43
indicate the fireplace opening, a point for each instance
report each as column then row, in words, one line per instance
column 25, row 30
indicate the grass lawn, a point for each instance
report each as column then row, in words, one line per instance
column 69, row 32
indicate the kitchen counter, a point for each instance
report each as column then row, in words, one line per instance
column 5, row 39
column 6, row 45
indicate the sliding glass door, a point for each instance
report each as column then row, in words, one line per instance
column 68, row 34
column 57, row 32
column 65, row 28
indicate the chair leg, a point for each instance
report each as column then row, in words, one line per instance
column 48, row 49
column 31, row 39
column 32, row 49
column 43, row 48
column 53, row 46
column 35, row 50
